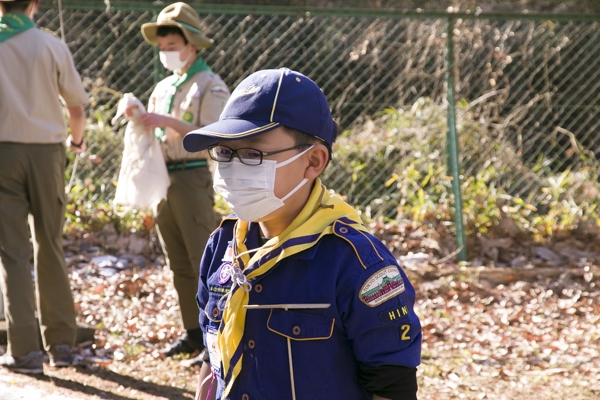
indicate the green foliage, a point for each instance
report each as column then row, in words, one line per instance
column 91, row 181
column 85, row 212
column 407, row 149
column 393, row 168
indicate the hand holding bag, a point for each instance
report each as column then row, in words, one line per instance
column 143, row 178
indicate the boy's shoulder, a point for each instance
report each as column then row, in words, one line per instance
column 368, row 249
column 227, row 224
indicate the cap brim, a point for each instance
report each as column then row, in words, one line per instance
column 227, row 129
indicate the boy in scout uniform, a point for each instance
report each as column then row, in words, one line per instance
column 35, row 69
column 192, row 97
column 297, row 299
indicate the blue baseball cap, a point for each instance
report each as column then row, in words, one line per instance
column 264, row 101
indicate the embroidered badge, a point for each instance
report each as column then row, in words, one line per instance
column 228, row 256
column 394, row 314
column 195, row 91
column 382, row 286
column 224, row 273
column 187, row 117
column 244, row 92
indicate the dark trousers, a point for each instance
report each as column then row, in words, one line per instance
column 185, row 220
column 32, row 195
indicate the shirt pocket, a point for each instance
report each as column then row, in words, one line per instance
column 214, row 309
column 297, row 325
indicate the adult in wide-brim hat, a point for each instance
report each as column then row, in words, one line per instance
column 182, row 16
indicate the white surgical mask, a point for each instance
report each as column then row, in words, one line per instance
column 171, row 60
column 249, row 190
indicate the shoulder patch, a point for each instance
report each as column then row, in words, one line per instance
column 382, row 286
column 361, row 243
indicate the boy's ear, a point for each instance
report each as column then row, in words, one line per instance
column 317, row 161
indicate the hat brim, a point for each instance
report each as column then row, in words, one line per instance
column 149, row 33
column 227, row 129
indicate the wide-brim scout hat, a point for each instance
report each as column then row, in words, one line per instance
column 182, row 16
column 264, row 101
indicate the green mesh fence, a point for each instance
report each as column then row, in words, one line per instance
column 527, row 89
column 535, row 90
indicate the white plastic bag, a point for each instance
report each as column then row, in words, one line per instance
column 143, row 178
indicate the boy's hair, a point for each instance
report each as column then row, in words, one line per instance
column 304, row 138
column 15, row 6
column 166, row 30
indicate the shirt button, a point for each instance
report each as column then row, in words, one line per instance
column 215, row 312
column 251, row 344
column 296, row 330
column 258, row 288
column 245, row 396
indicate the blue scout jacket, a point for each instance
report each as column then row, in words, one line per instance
column 312, row 318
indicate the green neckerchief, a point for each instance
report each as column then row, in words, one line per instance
column 177, row 80
column 13, row 23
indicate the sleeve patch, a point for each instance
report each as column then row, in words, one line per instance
column 382, row 286
column 393, row 315
column 219, row 91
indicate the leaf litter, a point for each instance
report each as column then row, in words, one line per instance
column 487, row 334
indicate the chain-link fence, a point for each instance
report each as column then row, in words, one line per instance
column 527, row 93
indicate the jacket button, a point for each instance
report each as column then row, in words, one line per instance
column 251, row 344
column 245, row 396
column 343, row 230
column 215, row 312
column 296, row 330
column 258, row 288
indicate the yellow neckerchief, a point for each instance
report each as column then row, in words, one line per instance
column 314, row 221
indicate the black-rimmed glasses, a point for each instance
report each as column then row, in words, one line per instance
column 247, row 156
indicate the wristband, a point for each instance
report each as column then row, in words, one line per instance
column 78, row 145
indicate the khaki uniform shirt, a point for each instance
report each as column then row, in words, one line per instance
column 35, row 69
column 199, row 101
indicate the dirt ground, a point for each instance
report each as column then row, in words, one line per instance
column 524, row 333
column 145, row 383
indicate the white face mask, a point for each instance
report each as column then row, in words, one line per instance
column 171, row 60
column 249, row 189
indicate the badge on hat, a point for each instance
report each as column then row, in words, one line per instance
column 382, row 286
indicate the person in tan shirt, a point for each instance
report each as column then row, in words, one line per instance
column 36, row 70
column 192, row 97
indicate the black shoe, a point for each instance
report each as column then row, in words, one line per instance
column 61, row 356
column 27, row 364
column 183, row 345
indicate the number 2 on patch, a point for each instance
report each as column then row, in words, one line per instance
column 405, row 331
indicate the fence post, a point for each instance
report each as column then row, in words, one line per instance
column 157, row 67
column 452, row 142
